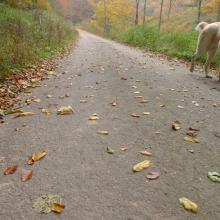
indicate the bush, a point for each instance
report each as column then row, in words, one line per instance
column 27, row 36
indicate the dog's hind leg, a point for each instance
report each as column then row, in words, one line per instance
column 210, row 54
column 194, row 58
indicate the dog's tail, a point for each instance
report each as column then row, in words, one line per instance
column 201, row 26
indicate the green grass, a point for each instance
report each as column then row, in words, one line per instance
column 27, row 36
column 180, row 45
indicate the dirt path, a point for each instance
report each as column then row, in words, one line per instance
column 94, row 184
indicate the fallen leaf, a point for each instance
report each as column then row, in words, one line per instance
column 57, row 208
column 44, row 203
column 138, row 96
column 109, row 150
column 93, row 118
column 195, row 103
column 46, row 111
column 36, row 156
column 135, row 115
column 49, row 96
column 12, row 111
column 37, row 100
column 26, row 175
column 94, row 114
column 65, row 110
column 162, row 106
column 137, row 92
column 145, row 153
column 146, row 113
column 83, row 101
column 144, row 101
column 114, row 103
column 23, row 114
column 124, row 148
column 141, row 166
column 193, row 129
column 188, row 205
column 191, row 139
column 103, row 132
column 123, row 78
column 180, row 106
column 176, row 126
column 10, row 170
column 214, row 176
column 191, row 133
column 153, row 175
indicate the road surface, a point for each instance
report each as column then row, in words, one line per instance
column 96, row 185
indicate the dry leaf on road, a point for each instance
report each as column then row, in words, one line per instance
column 141, row 166
column 65, row 110
column 191, row 139
column 103, row 132
column 214, row 176
column 188, row 205
column 145, row 153
column 176, row 125
column 23, row 114
column 93, row 118
column 153, row 175
column 36, row 156
column 135, row 115
column 146, row 113
column 26, row 175
column 10, row 170
column 57, row 208
column 109, row 150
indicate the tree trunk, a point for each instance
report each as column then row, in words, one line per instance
column 144, row 13
column 105, row 17
column 169, row 10
column 137, row 12
column 199, row 10
column 218, row 17
column 161, row 12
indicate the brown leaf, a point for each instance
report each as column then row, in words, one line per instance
column 36, row 156
column 10, row 170
column 114, row 103
column 22, row 114
column 26, row 175
column 145, row 153
column 176, row 126
column 57, row 208
column 135, row 115
column 191, row 139
column 65, row 110
column 103, row 132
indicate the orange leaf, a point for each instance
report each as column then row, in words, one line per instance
column 10, row 170
column 26, row 175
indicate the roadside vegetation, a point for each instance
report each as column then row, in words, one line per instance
column 30, row 32
column 166, row 27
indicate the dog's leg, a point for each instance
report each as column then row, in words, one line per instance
column 194, row 58
column 210, row 55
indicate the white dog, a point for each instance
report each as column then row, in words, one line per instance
column 208, row 42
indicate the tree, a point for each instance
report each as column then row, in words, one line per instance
column 199, row 10
column 144, row 13
column 136, row 11
column 169, row 9
column 161, row 12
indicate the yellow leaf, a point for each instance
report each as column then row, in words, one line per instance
column 22, row 114
column 46, row 111
column 188, row 205
column 36, row 156
column 146, row 113
column 141, row 166
column 57, row 207
column 65, row 110
column 145, row 153
column 124, row 148
column 93, row 118
column 103, row 132
column 135, row 115
column 191, row 139
column 176, row 125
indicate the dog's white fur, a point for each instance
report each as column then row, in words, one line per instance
column 208, row 42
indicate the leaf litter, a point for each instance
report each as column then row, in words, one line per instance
column 36, row 156
column 153, row 175
column 141, row 166
column 47, row 203
column 10, row 170
column 65, row 110
column 26, row 175
column 214, row 176
column 188, row 205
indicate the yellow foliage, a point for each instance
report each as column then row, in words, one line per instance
column 119, row 13
column 212, row 6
